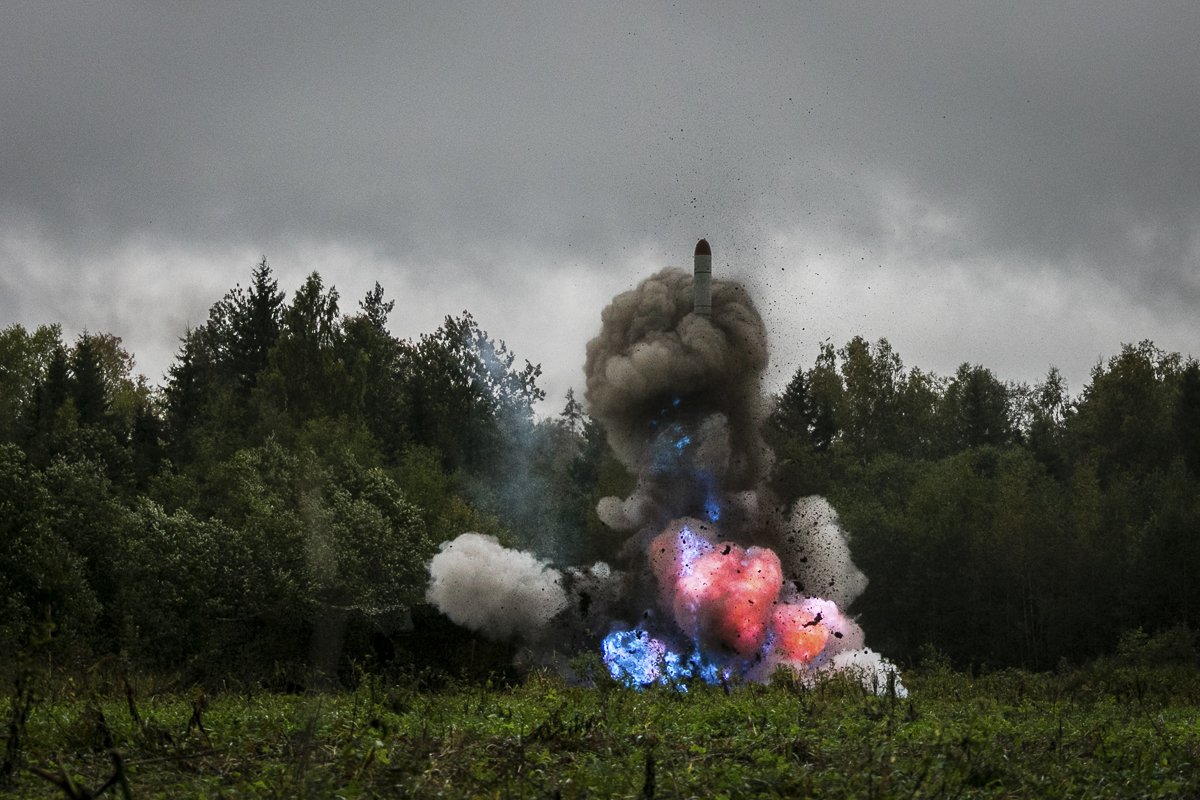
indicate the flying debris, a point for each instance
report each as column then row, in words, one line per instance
column 713, row 579
column 702, row 277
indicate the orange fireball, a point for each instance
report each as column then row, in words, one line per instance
column 724, row 597
column 799, row 634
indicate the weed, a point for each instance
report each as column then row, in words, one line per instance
column 1005, row 734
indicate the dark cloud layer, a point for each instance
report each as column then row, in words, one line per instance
column 493, row 145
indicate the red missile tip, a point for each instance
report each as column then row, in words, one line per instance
column 702, row 248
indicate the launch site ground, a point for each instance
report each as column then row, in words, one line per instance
column 1118, row 728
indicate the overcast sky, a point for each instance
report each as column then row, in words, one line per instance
column 1016, row 185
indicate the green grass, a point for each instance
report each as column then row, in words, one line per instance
column 1106, row 731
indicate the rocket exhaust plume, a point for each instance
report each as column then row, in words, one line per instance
column 715, row 581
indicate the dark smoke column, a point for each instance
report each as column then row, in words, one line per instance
column 702, row 275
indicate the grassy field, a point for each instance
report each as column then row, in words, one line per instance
column 1111, row 730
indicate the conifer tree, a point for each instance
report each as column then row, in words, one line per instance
column 87, row 382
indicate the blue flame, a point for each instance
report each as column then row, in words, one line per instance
column 669, row 448
column 637, row 659
column 691, row 547
column 680, row 669
column 712, row 498
column 634, row 657
column 712, row 508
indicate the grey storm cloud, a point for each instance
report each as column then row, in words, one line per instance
column 507, row 138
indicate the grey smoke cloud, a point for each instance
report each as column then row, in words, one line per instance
column 679, row 393
column 653, row 356
column 680, row 396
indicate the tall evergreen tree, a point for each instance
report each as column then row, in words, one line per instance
column 184, row 396
column 307, row 377
column 372, row 359
column 1187, row 416
column 44, row 414
column 976, row 409
column 827, row 392
column 256, row 324
column 208, row 399
column 793, row 414
column 87, row 384
column 572, row 416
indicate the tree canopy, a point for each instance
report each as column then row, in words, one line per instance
column 270, row 510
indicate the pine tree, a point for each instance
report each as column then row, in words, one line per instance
column 256, row 322
column 827, row 391
column 371, row 356
column 1187, row 416
column 87, row 384
column 794, row 412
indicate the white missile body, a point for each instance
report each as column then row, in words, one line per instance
column 702, row 280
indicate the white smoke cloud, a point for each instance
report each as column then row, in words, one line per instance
column 498, row 592
column 818, row 553
column 876, row 673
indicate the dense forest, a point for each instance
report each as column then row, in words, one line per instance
column 269, row 512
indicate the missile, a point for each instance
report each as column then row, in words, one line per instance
column 702, row 280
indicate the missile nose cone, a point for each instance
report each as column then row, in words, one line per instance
column 702, row 248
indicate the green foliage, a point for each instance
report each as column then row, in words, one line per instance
column 87, row 383
column 1006, row 525
column 271, row 510
column 43, row 577
column 465, row 398
column 869, row 413
column 1125, row 418
column 256, row 518
column 444, row 512
column 86, row 511
column 977, row 409
column 208, row 399
column 182, row 579
column 267, row 519
column 307, row 377
column 372, row 358
column 24, row 363
column 314, row 539
column 1046, row 410
column 1187, row 415
column 1096, row 733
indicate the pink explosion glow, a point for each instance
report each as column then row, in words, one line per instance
column 732, row 600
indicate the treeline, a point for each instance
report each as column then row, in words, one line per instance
column 1004, row 524
column 267, row 513
column 270, row 510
